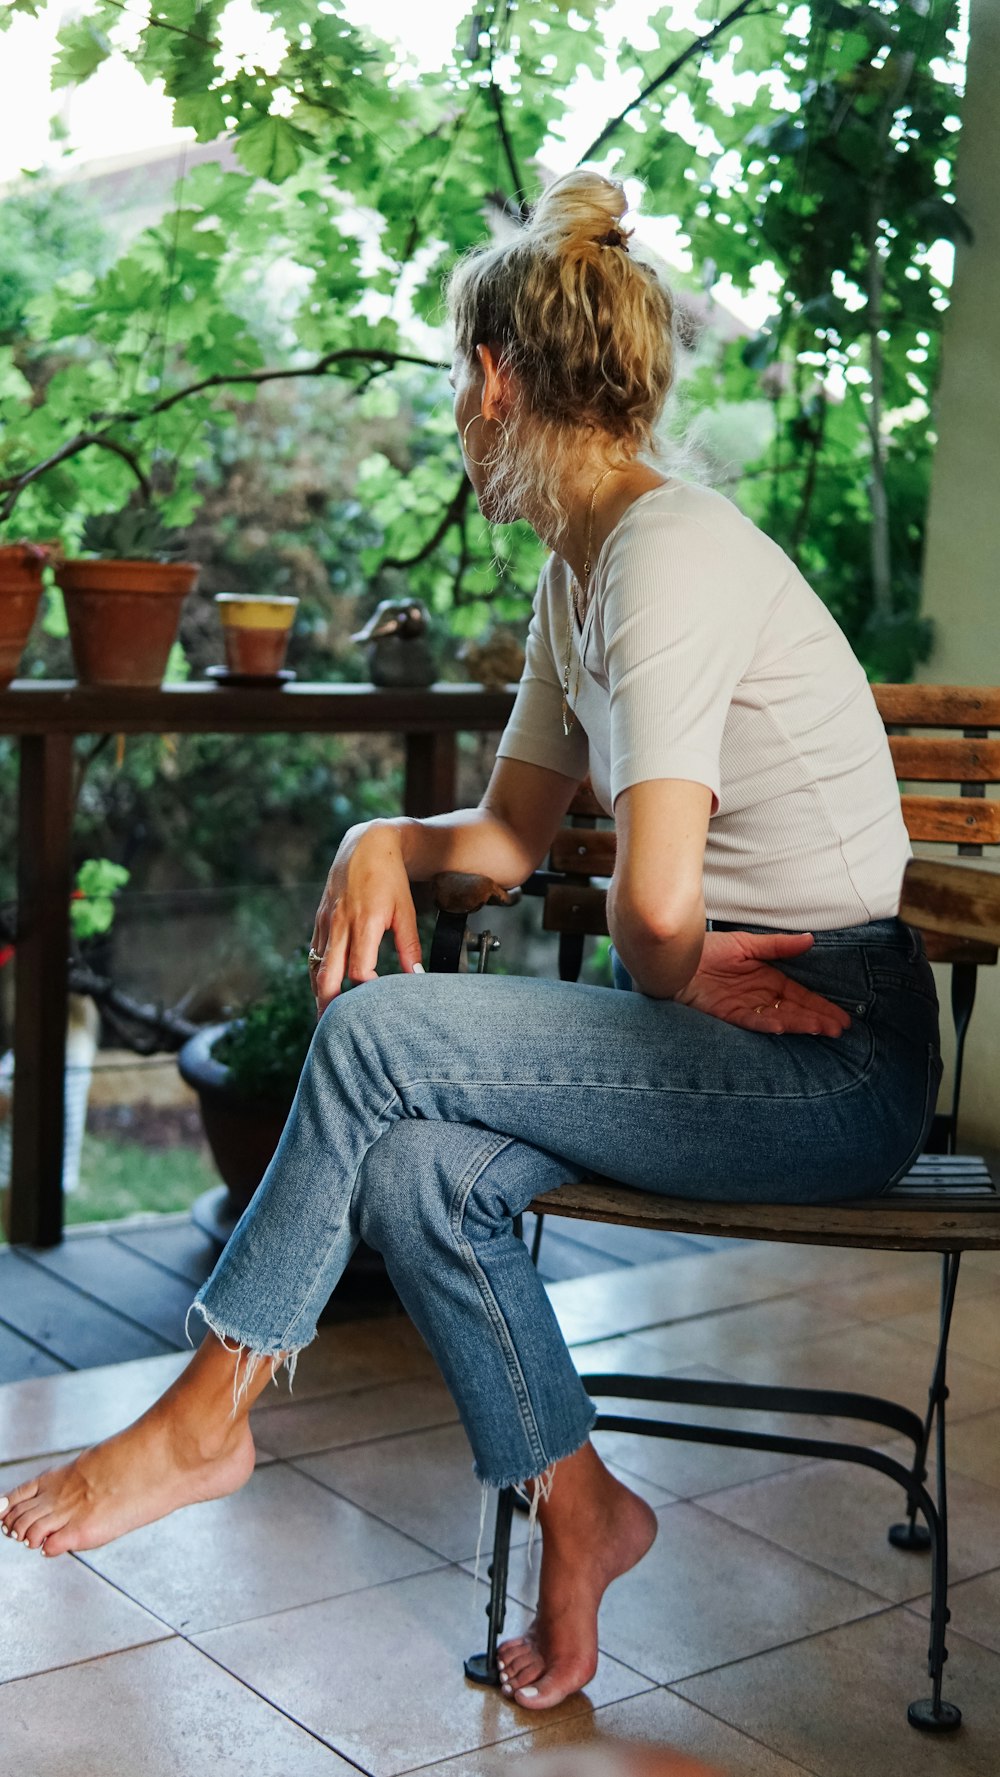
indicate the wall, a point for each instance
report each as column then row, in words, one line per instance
column 962, row 565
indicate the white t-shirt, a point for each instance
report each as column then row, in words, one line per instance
column 705, row 655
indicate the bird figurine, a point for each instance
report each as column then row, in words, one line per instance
column 496, row 660
column 398, row 644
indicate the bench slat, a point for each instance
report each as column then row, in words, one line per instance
column 940, row 761
column 939, row 706
column 583, row 851
column 953, row 820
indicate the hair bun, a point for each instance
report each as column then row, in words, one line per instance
column 578, row 214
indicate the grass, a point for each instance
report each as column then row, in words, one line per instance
column 119, row 1178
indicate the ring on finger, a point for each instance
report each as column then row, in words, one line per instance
column 315, row 958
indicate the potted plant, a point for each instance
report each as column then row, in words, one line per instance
column 21, row 567
column 123, row 605
column 245, row 1072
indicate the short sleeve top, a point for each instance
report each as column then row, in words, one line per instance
column 705, row 655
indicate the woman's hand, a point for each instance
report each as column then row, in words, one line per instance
column 734, row 982
column 367, row 894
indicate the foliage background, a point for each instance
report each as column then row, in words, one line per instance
column 265, row 358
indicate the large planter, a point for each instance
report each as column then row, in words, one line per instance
column 243, row 1133
column 21, row 567
column 123, row 617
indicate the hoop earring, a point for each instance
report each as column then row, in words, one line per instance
column 481, row 462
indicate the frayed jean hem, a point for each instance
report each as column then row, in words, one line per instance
column 248, row 1357
column 521, row 1482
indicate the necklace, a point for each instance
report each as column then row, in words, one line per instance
column 568, row 711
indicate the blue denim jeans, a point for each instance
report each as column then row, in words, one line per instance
column 433, row 1108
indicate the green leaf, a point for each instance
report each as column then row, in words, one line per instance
column 271, row 149
column 11, row 7
column 203, row 112
column 82, row 49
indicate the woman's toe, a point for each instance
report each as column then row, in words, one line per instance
column 526, row 1669
column 58, row 1542
column 509, row 1650
column 20, row 1520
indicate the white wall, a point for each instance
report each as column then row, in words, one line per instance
column 962, row 563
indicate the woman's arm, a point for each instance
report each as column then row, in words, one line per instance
column 656, row 911
column 505, row 838
column 368, row 888
column 656, row 917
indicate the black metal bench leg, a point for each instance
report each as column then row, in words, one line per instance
column 911, row 1535
column 482, row 1668
column 931, row 1713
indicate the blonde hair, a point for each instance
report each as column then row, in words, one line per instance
column 585, row 328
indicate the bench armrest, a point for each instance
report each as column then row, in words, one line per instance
column 455, row 892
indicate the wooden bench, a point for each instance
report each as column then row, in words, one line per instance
column 946, row 1204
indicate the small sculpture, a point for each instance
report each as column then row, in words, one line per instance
column 399, row 647
column 497, row 660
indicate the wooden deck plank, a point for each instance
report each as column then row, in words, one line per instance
column 179, row 1247
column 65, row 1322
column 125, row 1281
column 20, row 1359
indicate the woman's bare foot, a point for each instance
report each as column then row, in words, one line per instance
column 187, row 1448
column 593, row 1529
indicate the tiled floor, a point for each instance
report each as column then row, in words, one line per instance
column 315, row 1624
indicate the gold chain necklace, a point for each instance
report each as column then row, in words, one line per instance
column 568, row 711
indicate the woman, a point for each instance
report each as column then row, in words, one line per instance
column 677, row 655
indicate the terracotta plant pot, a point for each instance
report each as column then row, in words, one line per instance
column 21, row 567
column 255, row 632
column 123, row 617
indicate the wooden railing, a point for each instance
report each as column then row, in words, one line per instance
column 46, row 717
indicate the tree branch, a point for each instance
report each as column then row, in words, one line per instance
column 496, row 100
column 162, row 24
column 453, row 514
column 13, row 485
column 699, row 45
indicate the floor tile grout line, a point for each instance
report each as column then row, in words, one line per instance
column 389, row 1437
column 450, row 1560
column 285, row 1714
column 807, row 1770
column 109, row 1654
column 793, row 1554
column 188, row 1634
column 778, row 1647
